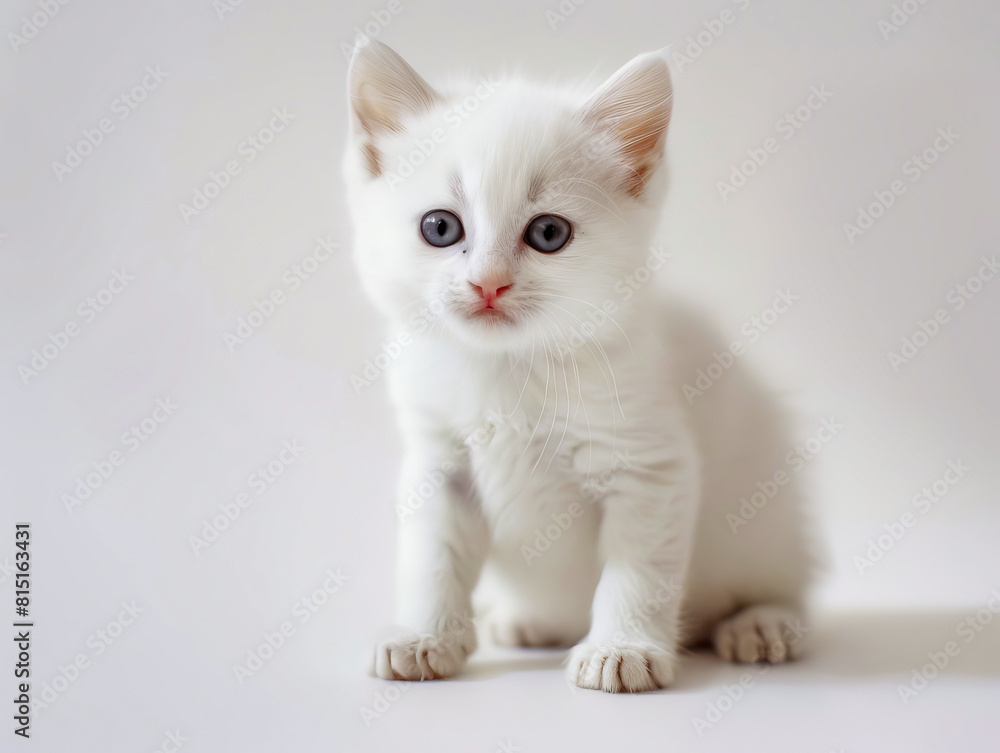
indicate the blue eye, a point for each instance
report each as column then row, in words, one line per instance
column 548, row 233
column 441, row 228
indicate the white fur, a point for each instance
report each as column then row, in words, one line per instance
column 643, row 558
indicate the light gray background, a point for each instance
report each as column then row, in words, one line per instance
column 162, row 337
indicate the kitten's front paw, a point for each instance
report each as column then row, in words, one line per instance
column 620, row 667
column 418, row 657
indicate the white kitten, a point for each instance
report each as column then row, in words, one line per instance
column 584, row 494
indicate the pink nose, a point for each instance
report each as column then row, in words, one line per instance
column 491, row 288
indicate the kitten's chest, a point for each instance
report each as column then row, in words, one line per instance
column 531, row 432
column 532, row 437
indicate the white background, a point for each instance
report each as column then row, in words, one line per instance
column 162, row 337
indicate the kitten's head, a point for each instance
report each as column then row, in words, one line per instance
column 502, row 212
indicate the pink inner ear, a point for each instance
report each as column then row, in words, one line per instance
column 635, row 106
column 373, row 159
column 384, row 90
column 643, row 138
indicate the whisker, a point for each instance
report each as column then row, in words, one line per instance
column 555, row 412
column 597, row 186
column 593, row 201
column 611, row 318
column 614, row 418
column 603, row 353
column 545, row 398
column 566, row 421
column 583, row 406
column 527, row 376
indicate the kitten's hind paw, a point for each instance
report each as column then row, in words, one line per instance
column 620, row 667
column 418, row 657
column 760, row 633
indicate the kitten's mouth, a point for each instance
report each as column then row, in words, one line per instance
column 490, row 314
column 495, row 314
column 488, row 327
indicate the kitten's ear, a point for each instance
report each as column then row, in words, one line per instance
column 383, row 90
column 633, row 106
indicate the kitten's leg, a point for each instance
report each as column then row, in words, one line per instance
column 441, row 550
column 646, row 538
column 762, row 632
column 535, row 597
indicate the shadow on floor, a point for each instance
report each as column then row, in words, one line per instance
column 843, row 645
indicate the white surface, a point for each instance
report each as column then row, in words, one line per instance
column 332, row 508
